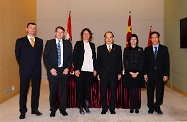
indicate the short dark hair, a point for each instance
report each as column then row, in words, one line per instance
column 154, row 32
column 109, row 32
column 30, row 23
column 59, row 27
column 89, row 31
column 133, row 35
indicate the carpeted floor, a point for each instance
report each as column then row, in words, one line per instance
column 174, row 108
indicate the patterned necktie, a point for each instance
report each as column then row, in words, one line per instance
column 32, row 41
column 155, row 53
column 59, row 53
column 109, row 49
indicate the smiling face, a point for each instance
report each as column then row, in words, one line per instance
column 155, row 39
column 59, row 34
column 133, row 41
column 86, row 35
column 109, row 38
column 31, row 29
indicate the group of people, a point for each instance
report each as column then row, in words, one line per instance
column 148, row 67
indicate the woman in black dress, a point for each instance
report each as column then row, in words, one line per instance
column 133, row 63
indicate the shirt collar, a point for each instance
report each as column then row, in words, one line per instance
column 58, row 40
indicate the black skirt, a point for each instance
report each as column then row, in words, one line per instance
column 130, row 82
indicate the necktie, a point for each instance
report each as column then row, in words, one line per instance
column 156, row 51
column 59, row 53
column 109, row 49
column 32, row 41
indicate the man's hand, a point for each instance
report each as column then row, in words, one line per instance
column 77, row 73
column 119, row 77
column 53, row 72
column 66, row 70
column 145, row 78
column 165, row 78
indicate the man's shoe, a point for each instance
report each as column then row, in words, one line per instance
column 22, row 116
column 131, row 110
column 86, row 108
column 37, row 113
column 112, row 112
column 159, row 111
column 136, row 111
column 64, row 113
column 103, row 111
column 53, row 113
column 150, row 111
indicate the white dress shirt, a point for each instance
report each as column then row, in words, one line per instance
column 88, row 61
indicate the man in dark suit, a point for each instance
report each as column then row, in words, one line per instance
column 58, row 60
column 156, row 72
column 28, row 51
column 109, row 56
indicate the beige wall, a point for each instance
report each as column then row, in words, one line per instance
column 14, row 17
column 174, row 10
column 101, row 16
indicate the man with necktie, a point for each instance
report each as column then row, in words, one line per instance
column 28, row 51
column 58, row 61
column 156, row 72
column 109, row 60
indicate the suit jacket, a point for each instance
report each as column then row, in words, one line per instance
column 78, row 55
column 28, row 57
column 111, row 62
column 161, row 63
column 50, row 56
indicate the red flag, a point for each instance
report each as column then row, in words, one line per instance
column 69, row 35
column 69, row 32
column 149, row 43
column 129, row 31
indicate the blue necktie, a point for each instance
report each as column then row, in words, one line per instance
column 155, row 53
column 59, row 53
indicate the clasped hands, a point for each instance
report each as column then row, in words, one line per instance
column 134, row 75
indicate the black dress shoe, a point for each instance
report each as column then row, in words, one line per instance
column 131, row 110
column 159, row 111
column 136, row 111
column 37, row 113
column 103, row 111
column 150, row 111
column 86, row 108
column 112, row 112
column 64, row 113
column 22, row 116
column 53, row 113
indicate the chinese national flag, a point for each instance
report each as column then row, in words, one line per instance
column 129, row 31
column 69, row 32
column 149, row 43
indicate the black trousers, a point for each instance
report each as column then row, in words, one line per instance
column 83, row 87
column 134, row 98
column 35, row 93
column 151, row 85
column 108, row 82
column 56, row 83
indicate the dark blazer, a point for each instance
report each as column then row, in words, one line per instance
column 161, row 63
column 50, row 56
column 78, row 55
column 28, row 57
column 109, row 61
